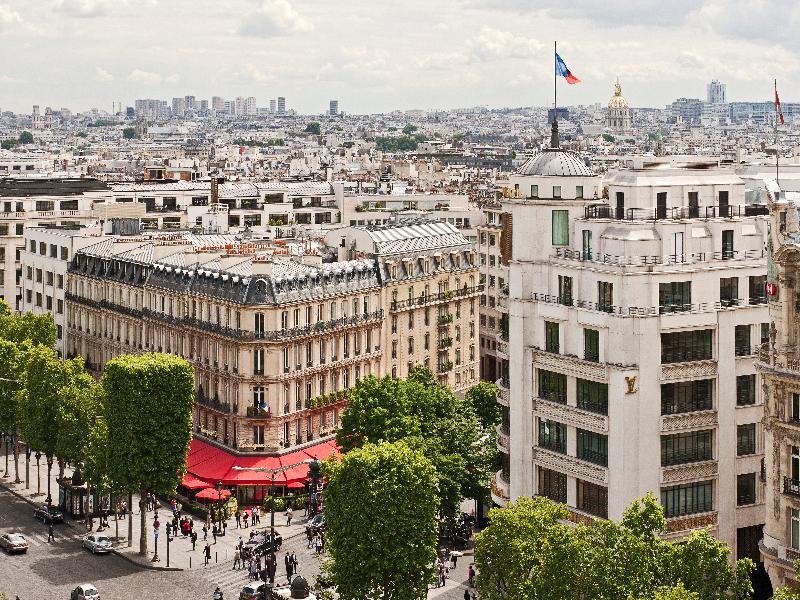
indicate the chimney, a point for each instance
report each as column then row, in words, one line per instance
column 214, row 191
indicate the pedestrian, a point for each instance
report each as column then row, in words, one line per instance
column 466, row 595
column 256, row 515
column 194, row 540
column 124, row 509
column 205, row 532
column 253, row 571
column 310, row 537
column 237, row 559
column 224, row 527
column 207, row 553
column 471, row 575
column 287, row 560
column 319, row 544
column 244, row 518
column 294, row 563
column 240, row 544
column 454, row 559
column 50, row 536
column 289, row 515
column 214, row 532
column 238, row 517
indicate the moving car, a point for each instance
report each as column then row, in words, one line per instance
column 97, row 543
column 261, row 543
column 252, row 591
column 48, row 514
column 85, row 591
column 13, row 542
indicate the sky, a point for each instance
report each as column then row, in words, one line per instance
column 378, row 55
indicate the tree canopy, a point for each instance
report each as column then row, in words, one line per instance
column 313, row 127
column 483, row 398
column 528, row 552
column 398, row 143
column 430, row 418
column 26, row 137
column 149, row 401
column 129, row 133
column 380, row 517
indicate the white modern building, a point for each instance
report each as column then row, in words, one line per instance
column 633, row 320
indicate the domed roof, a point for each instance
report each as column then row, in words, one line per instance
column 555, row 162
column 618, row 100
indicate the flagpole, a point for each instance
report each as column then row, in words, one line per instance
column 776, row 131
column 555, row 79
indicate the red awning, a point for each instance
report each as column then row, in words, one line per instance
column 211, row 464
column 212, row 494
column 193, row 483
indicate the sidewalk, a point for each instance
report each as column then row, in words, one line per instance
column 181, row 555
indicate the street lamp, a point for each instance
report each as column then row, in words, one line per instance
column 27, row 466
column 156, row 526
column 4, row 437
column 38, row 474
column 315, row 472
column 272, row 472
column 49, row 500
column 219, row 507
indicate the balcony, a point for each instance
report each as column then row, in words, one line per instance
column 444, row 367
column 445, row 343
column 690, row 522
column 502, row 394
column 721, row 211
column 256, row 412
column 445, row 319
column 570, row 465
column 782, row 362
column 570, row 365
column 429, row 299
column 500, row 489
column 654, row 260
column 791, row 487
column 699, row 369
column 689, row 471
column 502, row 438
column 501, row 348
column 570, row 415
column 693, row 420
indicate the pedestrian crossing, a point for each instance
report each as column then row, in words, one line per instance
column 230, row 581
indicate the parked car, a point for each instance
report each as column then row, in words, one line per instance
column 261, row 544
column 252, row 591
column 316, row 524
column 48, row 514
column 85, row 591
column 97, row 543
column 13, row 542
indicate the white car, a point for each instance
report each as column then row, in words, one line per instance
column 97, row 543
column 85, row 591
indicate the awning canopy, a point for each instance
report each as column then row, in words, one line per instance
column 193, row 483
column 207, row 463
column 212, row 494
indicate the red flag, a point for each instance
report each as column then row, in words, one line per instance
column 778, row 110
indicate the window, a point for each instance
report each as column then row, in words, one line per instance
column 795, row 541
column 551, row 343
column 593, row 447
column 727, row 244
column 592, row 499
column 258, row 361
column 553, row 386
column 605, row 296
column 689, row 499
column 259, row 398
column 592, row 396
column 757, row 287
column 553, row 435
column 745, row 439
column 560, row 232
column 729, row 291
column 565, row 290
column 675, row 296
column 534, row 191
column 579, row 191
column 685, row 346
column 745, row 489
column 746, row 390
column 591, row 345
column 686, row 396
column 557, row 191
column 259, row 325
column 258, row 435
column 553, row 485
column 684, row 448
column 742, row 340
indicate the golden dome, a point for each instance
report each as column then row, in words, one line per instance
column 618, row 100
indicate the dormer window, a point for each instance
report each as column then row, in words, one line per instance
column 579, row 191
column 556, row 191
column 534, row 191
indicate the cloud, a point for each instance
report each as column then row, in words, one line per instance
column 148, row 78
column 275, row 18
column 8, row 17
column 493, row 44
column 101, row 74
column 86, row 9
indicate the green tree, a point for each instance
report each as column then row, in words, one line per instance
column 409, row 129
column 483, row 398
column 676, row 592
column 8, row 143
column 149, row 401
column 785, row 594
column 80, row 404
column 380, row 518
column 129, row 133
column 527, row 552
column 608, row 137
column 26, row 137
column 19, row 328
column 313, row 127
column 12, row 369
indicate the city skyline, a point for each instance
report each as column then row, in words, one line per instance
column 497, row 53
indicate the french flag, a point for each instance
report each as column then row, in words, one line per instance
column 561, row 69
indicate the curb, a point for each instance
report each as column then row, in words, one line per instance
column 76, row 530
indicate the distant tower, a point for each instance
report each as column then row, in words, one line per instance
column 334, row 108
column 619, row 113
column 281, row 105
column 272, row 106
column 717, row 92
